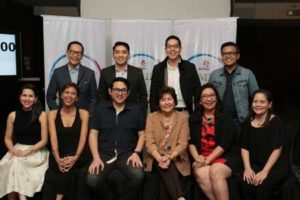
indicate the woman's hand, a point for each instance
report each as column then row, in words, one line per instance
column 164, row 162
column 260, row 177
column 249, row 175
column 69, row 161
column 60, row 163
column 135, row 160
column 199, row 162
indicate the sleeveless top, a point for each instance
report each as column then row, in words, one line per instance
column 25, row 131
column 68, row 137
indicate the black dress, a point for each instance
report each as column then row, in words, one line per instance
column 68, row 140
column 261, row 142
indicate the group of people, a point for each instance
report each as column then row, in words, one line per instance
column 206, row 131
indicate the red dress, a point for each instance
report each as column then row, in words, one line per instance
column 208, row 139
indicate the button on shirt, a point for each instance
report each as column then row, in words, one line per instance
column 117, row 131
column 74, row 71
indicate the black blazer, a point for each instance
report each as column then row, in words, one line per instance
column 86, row 83
column 225, row 132
column 138, row 90
column 189, row 83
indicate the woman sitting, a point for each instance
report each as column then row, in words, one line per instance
column 68, row 127
column 23, row 168
column 265, row 168
column 167, row 135
column 212, row 147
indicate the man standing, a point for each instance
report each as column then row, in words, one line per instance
column 234, row 83
column 76, row 73
column 177, row 73
column 116, row 141
column 138, row 91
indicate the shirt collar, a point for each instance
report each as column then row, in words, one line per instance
column 118, row 70
column 73, row 68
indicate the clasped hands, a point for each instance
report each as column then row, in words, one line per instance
column 66, row 163
column 254, row 179
column 200, row 161
column 164, row 161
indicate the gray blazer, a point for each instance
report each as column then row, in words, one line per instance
column 86, row 83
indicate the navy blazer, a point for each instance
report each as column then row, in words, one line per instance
column 138, row 90
column 86, row 83
column 189, row 83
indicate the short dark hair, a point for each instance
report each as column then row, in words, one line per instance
column 73, row 85
column 121, row 79
column 219, row 102
column 120, row 43
column 226, row 44
column 75, row 42
column 167, row 90
column 173, row 37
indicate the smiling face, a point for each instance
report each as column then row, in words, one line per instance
column 69, row 96
column 208, row 99
column 74, row 54
column 167, row 103
column 230, row 56
column 260, row 104
column 27, row 99
column 119, row 92
column 173, row 49
column 121, row 55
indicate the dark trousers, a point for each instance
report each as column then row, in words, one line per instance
column 117, row 181
column 165, row 184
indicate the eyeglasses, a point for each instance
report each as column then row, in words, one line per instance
column 229, row 54
column 118, row 90
column 75, row 53
column 206, row 97
column 175, row 46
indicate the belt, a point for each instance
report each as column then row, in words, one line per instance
column 181, row 109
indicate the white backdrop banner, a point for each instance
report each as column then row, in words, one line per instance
column 201, row 41
column 59, row 31
column 146, row 39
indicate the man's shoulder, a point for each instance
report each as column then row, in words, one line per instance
column 187, row 63
column 61, row 68
column 134, row 68
column 107, row 70
column 217, row 72
column 87, row 69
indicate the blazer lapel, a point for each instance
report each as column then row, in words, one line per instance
column 66, row 74
column 80, row 74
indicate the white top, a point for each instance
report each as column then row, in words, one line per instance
column 173, row 81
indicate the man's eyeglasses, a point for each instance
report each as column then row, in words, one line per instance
column 118, row 90
column 229, row 54
column 75, row 53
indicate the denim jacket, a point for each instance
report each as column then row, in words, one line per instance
column 243, row 85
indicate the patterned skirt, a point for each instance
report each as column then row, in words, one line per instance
column 24, row 175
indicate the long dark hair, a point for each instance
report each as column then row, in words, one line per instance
column 218, row 104
column 37, row 108
column 269, row 98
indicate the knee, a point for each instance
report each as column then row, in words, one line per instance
column 201, row 176
column 216, row 174
column 137, row 177
column 94, row 181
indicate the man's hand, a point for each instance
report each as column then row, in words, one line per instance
column 135, row 160
column 95, row 166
